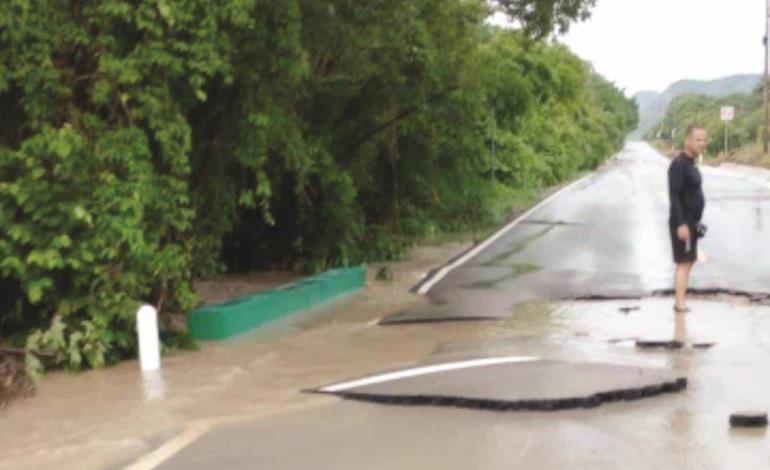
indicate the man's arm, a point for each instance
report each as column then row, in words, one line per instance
column 675, row 185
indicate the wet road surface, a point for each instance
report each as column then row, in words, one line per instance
column 240, row 404
column 688, row 430
column 607, row 237
column 512, row 383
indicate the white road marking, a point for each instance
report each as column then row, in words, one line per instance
column 526, row 446
column 417, row 371
column 483, row 245
column 172, row 447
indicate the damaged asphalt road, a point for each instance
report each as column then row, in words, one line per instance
column 687, row 429
column 607, row 237
column 606, row 377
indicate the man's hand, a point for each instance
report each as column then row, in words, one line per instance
column 683, row 232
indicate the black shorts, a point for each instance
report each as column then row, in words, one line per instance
column 684, row 252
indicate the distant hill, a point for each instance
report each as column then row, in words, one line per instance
column 652, row 105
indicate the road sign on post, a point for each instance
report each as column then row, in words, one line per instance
column 765, row 136
column 727, row 115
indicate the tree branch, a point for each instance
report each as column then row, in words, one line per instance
column 400, row 116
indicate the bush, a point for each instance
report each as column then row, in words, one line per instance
column 147, row 143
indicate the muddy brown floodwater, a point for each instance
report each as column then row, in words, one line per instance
column 96, row 418
column 102, row 419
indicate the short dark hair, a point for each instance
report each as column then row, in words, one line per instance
column 692, row 128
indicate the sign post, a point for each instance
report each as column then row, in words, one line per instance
column 727, row 115
column 765, row 136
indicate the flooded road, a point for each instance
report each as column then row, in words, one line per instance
column 239, row 404
column 689, row 430
column 249, row 392
column 99, row 419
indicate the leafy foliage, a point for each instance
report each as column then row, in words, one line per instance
column 145, row 143
column 745, row 130
column 540, row 18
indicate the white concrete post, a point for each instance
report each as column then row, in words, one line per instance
column 149, row 341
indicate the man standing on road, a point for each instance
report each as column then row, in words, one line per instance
column 687, row 203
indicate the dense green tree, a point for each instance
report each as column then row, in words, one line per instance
column 541, row 18
column 145, row 143
column 685, row 110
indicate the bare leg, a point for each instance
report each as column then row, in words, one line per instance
column 681, row 280
column 680, row 328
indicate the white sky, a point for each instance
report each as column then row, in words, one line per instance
column 649, row 44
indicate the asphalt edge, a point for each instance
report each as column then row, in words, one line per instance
column 435, row 275
column 548, row 405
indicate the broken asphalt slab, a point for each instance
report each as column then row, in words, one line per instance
column 511, row 383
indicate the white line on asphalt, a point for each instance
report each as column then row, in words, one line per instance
column 417, row 371
column 172, row 447
column 481, row 246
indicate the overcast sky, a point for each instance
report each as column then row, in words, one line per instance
column 649, row 44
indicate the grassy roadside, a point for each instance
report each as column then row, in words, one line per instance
column 749, row 155
column 519, row 203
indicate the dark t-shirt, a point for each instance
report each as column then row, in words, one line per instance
column 685, row 191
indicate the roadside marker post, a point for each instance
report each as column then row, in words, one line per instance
column 149, row 341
